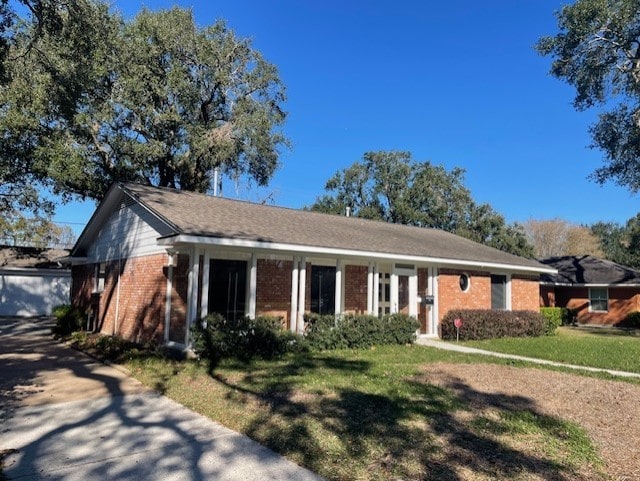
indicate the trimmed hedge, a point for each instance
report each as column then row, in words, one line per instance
column 555, row 317
column 68, row 319
column 217, row 338
column 490, row 324
column 352, row 331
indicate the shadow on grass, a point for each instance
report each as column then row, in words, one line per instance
column 410, row 430
column 606, row 331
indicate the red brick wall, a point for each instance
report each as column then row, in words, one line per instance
column 525, row 293
column 273, row 289
column 355, row 289
column 450, row 296
column 622, row 301
column 140, row 301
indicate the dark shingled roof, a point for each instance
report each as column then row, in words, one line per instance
column 589, row 270
column 32, row 257
column 202, row 215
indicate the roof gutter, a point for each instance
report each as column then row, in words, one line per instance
column 294, row 248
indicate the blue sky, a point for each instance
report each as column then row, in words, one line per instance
column 457, row 83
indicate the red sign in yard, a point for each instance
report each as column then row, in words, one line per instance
column 457, row 323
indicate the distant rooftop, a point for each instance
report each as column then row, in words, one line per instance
column 31, row 257
column 589, row 270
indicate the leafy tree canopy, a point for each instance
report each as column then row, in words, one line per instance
column 597, row 51
column 18, row 230
column 620, row 242
column 156, row 100
column 393, row 187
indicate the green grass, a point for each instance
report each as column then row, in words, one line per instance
column 372, row 414
column 596, row 347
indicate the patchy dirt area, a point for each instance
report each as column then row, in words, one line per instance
column 609, row 411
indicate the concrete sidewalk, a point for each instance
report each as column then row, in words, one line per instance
column 449, row 346
column 66, row 417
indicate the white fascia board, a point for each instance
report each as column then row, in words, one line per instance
column 34, row 272
column 310, row 250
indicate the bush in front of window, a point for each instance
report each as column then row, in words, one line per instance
column 215, row 338
column 491, row 324
column 358, row 331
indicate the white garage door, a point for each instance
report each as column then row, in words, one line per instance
column 33, row 292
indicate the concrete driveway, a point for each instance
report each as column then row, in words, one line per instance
column 67, row 417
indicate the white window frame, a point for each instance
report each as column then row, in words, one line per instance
column 591, row 298
column 99, row 275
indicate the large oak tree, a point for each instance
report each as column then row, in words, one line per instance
column 156, row 99
column 393, row 187
column 597, row 51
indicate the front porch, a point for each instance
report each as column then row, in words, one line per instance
column 232, row 281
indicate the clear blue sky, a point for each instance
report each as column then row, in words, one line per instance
column 457, row 83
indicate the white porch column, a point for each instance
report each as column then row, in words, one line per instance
column 192, row 291
column 376, row 289
column 393, row 287
column 507, row 303
column 253, row 283
column 433, row 283
column 294, row 295
column 370, row 289
column 167, row 298
column 302, row 292
column 338, row 294
column 204, row 301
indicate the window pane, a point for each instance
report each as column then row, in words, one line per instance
column 599, row 299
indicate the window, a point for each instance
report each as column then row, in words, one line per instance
column 323, row 289
column 98, row 277
column 465, row 282
column 498, row 292
column 227, row 288
column 598, row 299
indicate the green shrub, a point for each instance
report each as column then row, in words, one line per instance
column 490, row 324
column 358, row 331
column 217, row 338
column 631, row 320
column 554, row 318
column 68, row 319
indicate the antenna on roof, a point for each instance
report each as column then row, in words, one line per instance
column 216, row 176
column 348, row 211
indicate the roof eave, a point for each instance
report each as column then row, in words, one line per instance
column 339, row 252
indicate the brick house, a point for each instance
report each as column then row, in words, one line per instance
column 599, row 291
column 153, row 260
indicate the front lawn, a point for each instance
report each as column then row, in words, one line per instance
column 372, row 414
column 606, row 348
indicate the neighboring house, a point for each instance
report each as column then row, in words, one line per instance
column 32, row 281
column 597, row 290
column 151, row 261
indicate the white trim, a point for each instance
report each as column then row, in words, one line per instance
column 331, row 251
column 302, row 293
column 393, row 292
column 508, row 293
column 294, row 295
column 435, row 316
column 376, row 288
column 413, row 295
column 339, row 281
column 608, row 286
column 253, row 285
column 370, row 288
column 34, row 272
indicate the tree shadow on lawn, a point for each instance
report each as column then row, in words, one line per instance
column 420, row 431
